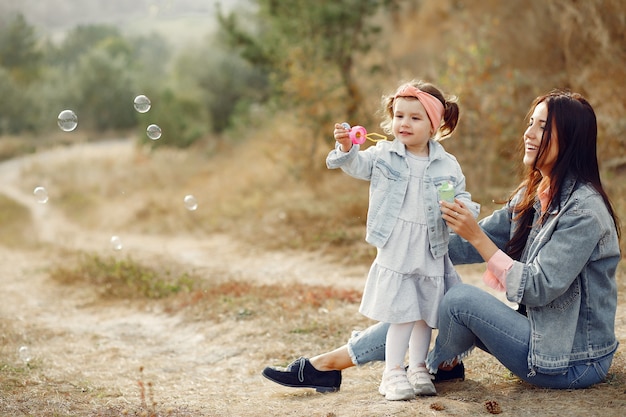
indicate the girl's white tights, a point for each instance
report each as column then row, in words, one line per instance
column 415, row 336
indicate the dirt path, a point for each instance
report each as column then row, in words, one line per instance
column 79, row 340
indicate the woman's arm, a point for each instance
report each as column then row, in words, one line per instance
column 555, row 259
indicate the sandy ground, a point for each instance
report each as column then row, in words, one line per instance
column 80, row 345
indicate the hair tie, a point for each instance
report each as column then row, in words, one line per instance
column 432, row 105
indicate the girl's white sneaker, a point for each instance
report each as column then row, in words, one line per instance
column 421, row 381
column 395, row 386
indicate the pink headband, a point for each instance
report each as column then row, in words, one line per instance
column 434, row 108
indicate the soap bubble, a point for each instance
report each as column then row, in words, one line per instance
column 67, row 120
column 191, row 203
column 116, row 243
column 154, row 132
column 142, row 103
column 24, row 354
column 41, row 195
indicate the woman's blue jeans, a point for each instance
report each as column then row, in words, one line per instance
column 470, row 317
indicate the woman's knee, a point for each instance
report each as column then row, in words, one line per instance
column 459, row 294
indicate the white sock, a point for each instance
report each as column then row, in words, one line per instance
column 419, row 343
column 397, row 343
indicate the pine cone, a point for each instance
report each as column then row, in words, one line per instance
column 437, row 406
column 493, row 407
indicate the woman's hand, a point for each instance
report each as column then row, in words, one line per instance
column 461, row 221
column 342, row 137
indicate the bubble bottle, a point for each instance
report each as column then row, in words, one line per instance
column 446, row 192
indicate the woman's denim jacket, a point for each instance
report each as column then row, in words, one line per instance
column 565, row 278
column 385, row 166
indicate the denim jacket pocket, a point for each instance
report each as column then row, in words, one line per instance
column 383, row 174
column 388, row 186
column 440, row 180
column 383, row 183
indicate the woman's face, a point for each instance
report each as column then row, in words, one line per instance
column 533, row 137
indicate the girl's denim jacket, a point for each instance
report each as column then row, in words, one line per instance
column 565, row 277
column 385, row 166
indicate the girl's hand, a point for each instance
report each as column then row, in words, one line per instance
column 341, row 136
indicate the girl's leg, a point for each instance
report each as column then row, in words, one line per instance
column 395, row 384
column 419, row 344
column 418, row 375
column 397, row 344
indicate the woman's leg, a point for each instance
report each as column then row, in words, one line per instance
column 335, row 360
column 323, row 372
column 363, row 347
column 470, row 317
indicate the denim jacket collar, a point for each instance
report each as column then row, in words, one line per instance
column 435, row 150
column 566, row 192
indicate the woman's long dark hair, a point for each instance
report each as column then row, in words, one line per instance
column 574, row 120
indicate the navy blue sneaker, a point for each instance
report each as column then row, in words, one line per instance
column 301, row 374
column 454, row 374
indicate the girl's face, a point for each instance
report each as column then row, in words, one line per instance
column 411, row 125
column 533, row 137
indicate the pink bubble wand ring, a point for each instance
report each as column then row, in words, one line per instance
column 358, row 134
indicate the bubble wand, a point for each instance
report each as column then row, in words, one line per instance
column 358, row 134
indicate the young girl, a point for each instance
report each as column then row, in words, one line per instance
column 412, row 270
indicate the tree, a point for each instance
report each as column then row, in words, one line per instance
column 19, row 53
column 20, row 64
column 14, row 106
column 309, row 51
column 80, row 41
column 325, row 33
column 105, row 90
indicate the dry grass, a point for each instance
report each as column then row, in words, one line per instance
column 16, row 224
column 315, row 319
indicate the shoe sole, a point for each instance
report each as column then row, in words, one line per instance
column 399, row 397
column 443, row 381
column 425, row 393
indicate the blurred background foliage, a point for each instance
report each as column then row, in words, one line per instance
column 283, row 71
column 322, row 61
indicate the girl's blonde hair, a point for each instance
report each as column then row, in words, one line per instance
column 450, row 106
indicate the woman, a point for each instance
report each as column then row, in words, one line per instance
column 554, row 249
